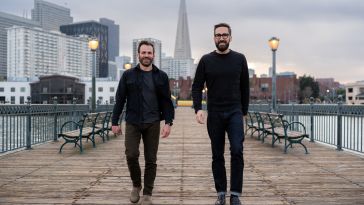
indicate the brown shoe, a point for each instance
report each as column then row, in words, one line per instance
column 134, row 195
column 147, row 200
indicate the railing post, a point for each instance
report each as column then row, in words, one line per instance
column 311, row 120
column 339, row 124
column 55, row 137
column 29, row 124
column 292, row 113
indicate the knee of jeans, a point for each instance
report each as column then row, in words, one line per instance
column 236, row 150
column 131, row 155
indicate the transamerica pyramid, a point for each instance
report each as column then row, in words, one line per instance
column 182, row 49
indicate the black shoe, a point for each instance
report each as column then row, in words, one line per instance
column 234, row 200
column 220, row 199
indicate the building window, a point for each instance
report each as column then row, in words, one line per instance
column 112, row 89
column 350, row 98
column 45, row 90
column 90, row 90
column 100, row 89
column 12, row 99
column 350, row 90
column 12, row 89
column 22, row 89
column 21, row 99
column 1, row 89
column 69, row 90
column 112, row 99
column 264, row 87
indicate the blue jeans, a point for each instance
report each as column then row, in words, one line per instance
column 217, row 124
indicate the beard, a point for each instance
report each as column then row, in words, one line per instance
column 146, row 61
column 222, row 46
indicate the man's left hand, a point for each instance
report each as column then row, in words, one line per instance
column 166, row 130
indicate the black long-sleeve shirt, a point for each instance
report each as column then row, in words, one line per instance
column 227, row 82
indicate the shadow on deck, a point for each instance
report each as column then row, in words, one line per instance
column 100, row 175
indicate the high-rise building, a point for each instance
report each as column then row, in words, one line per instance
column 33, row 52
column 157, row 51
column 96, row 30
column 113, row 37
column 7, row 21
column 182, row 49
column 184, row 65
column 50, row 16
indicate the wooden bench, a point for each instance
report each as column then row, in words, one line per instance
column 273, row 124
column 90, row 125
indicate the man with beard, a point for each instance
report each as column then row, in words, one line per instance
column 225, row 73
column 146, row 91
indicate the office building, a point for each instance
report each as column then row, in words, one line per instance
column 7, row 21
column 33, row 52
column 50, row 16
column 96, row 30
column 184, row 66
column 113, row 37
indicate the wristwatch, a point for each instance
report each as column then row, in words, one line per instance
column 169, row 123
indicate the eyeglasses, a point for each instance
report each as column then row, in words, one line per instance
column 223, row 35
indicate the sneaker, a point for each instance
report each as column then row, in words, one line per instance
column 134, row 195
column 220, row 200
column 147, row 200
column 234, row 200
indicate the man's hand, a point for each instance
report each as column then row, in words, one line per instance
column 200, row 116
column 245, row 122
column 166, row 130
column 116, row 130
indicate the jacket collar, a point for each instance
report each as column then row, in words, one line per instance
column 154, row 68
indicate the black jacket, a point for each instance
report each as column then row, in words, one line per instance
column 130, row 91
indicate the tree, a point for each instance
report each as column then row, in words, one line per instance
column 308, row 88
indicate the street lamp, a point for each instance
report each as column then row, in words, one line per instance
column 93, row 44
column 127, row 66
column 273, row 44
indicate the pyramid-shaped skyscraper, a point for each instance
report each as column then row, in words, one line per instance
column 182, row 63
column 182, row 49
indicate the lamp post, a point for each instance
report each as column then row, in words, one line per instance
column 273, row 44
column 93, row 44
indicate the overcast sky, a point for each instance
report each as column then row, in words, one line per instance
column 321, row 38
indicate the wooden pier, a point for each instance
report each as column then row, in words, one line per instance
column 100, row 175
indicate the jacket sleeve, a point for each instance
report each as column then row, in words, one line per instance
column 120, row 99
column 167, row 107
column 198, row 85
column 244, row 87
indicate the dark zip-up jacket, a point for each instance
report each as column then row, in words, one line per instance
column 130, row 91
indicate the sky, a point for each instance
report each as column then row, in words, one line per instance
column 320, row 38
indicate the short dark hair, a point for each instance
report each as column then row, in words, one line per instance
column 145, row 42
column 222, row 25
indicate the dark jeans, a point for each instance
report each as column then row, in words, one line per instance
column 217, row 124
column 150, row 135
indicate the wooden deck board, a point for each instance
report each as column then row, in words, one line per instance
column 100, row 175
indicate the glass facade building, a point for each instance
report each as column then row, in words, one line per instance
column 96, row 30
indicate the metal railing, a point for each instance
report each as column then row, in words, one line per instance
column 22, row 126
column 334, row 124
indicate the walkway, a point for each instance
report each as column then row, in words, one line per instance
column 100, row 175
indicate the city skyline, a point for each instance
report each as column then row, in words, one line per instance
column 318, row 38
